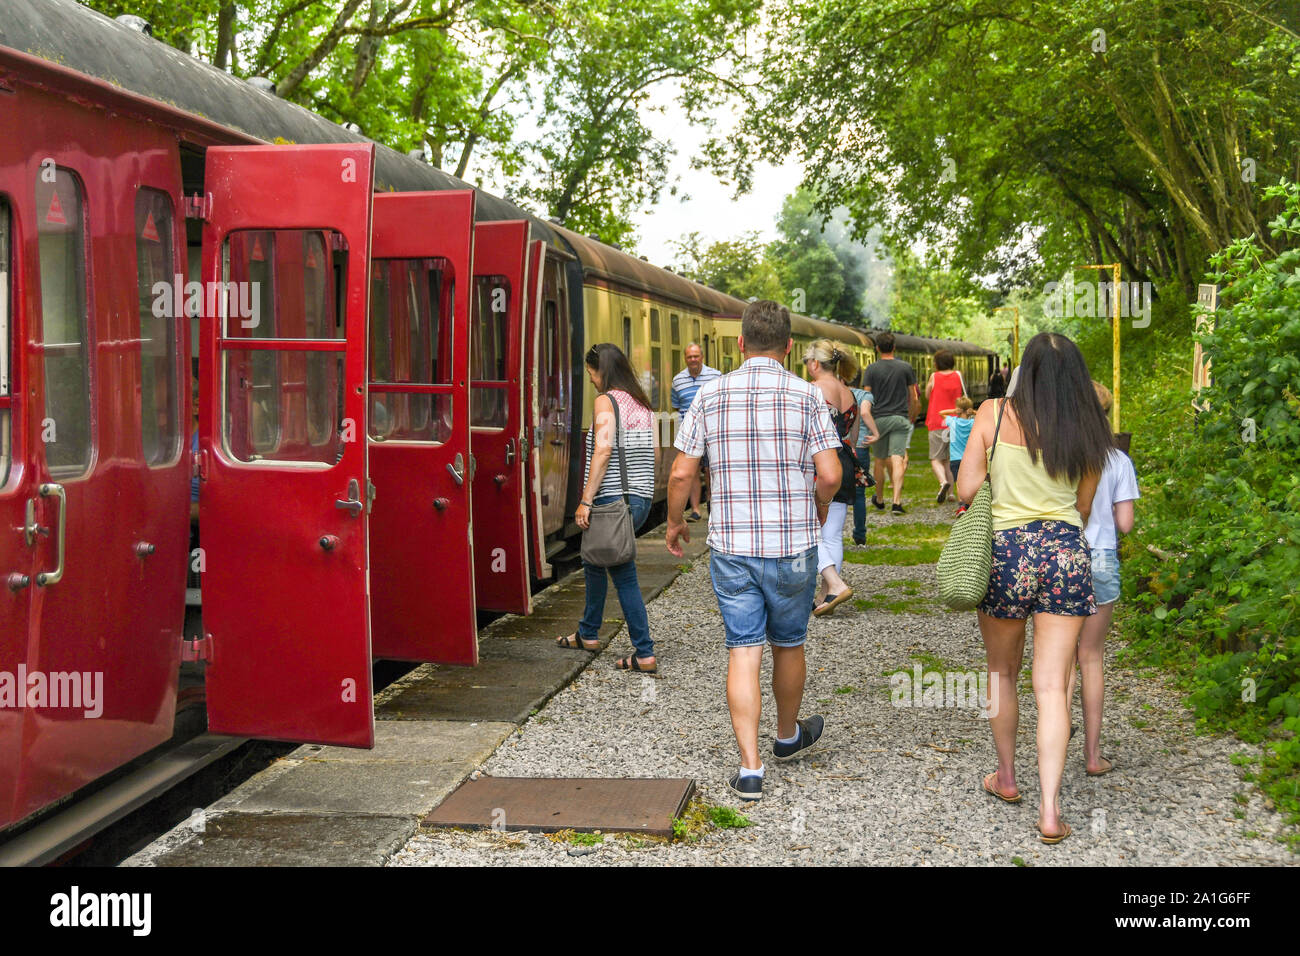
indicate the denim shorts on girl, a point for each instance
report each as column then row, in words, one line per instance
column 1105, row 575
column 1042, row 567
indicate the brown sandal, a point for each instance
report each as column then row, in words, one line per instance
column 630, row 664
column 998, row 793
column 567, row 640
column 1057, row 837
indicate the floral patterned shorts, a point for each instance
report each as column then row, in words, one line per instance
column 1040, row 567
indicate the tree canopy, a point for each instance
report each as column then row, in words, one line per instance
column 458, row 79
column 1028, row 135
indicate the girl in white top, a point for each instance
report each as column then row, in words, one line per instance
column 1112, row 515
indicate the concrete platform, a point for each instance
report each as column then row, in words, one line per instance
column 331, row 806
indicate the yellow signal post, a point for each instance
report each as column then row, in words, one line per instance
column 1015, row 332
column 1114, row 294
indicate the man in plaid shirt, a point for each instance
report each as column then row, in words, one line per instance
column 766, row 432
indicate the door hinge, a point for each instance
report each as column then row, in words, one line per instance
column 197, row 650
column 198, row 206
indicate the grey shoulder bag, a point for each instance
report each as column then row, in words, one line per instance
column 610, row 539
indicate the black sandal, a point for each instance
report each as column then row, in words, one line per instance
column 630, row 664
column 566, row 641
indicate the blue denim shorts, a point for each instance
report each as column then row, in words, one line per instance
column 1105, row 575
column 764, row 599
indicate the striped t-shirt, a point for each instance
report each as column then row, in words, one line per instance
column 637, row 435
column 686, row 385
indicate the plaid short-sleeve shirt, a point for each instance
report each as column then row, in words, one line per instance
column 761, row 427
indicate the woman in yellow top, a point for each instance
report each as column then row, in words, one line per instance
column 1052, row 442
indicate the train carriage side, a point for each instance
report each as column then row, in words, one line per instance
column 652, row 314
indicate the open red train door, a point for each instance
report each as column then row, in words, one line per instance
column 421, row 552
column 501, row 580
column 533, row 374
column 286, row 500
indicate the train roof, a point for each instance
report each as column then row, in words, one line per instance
column 615, row 266
column 916, row 343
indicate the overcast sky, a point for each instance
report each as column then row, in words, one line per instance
column 703, row 203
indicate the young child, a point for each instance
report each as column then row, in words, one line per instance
column 958, row 421
column 1112, row 515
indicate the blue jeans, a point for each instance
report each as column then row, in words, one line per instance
column 764, row 599
column 629, row 591
column 860, row 495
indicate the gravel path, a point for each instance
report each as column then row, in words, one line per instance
column 893, row 785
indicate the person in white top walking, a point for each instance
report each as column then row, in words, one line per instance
column 1112, row 512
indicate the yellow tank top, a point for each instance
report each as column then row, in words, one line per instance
column 1024, row 492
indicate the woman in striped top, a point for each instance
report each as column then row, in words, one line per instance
column 610, row 372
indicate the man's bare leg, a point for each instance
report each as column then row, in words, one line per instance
column 788, row 675
column 745, row 700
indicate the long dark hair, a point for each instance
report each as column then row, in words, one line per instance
column 1058, row 410
column 616, row 371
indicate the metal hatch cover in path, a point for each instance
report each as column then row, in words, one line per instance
column 640, row 805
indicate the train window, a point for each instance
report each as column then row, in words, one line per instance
column 410, row 344
column 6, row 398
column 160, row 424
column 654, row 326
column 64, row 323
column 627, row 337
column 674, row 331
column 695, row 335
column 282, row 403
column 489, row 351
column 677, row 362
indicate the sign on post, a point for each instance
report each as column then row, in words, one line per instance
column 1207, row 297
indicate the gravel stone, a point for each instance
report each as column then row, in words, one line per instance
column 892, row 785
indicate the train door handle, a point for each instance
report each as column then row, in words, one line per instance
column 510, row 451
column 46, row 578
column 457, row 470
column 31, row 527
column 352, row 503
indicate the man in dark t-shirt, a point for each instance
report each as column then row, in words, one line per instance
column 894, row 403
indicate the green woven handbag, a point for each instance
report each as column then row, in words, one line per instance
column 967, row 556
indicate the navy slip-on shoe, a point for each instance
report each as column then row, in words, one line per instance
column 810, row 732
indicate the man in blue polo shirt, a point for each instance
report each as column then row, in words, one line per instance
column 685, row 384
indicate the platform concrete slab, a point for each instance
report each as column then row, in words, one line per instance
column 291, row 839
column 498, row 688
column 414, row 765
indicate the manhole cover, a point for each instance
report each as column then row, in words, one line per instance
column 640, row 805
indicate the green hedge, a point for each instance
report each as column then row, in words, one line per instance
column 1221, row 495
